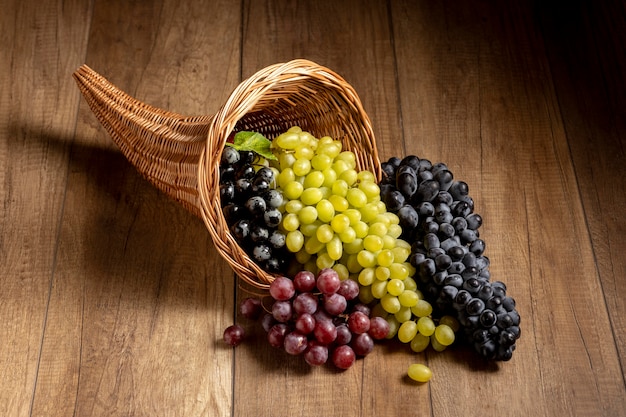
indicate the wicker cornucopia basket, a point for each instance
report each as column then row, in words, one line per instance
column 181, row 155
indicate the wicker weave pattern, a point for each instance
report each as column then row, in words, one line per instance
column 180, row 155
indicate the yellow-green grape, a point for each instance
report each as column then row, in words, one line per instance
column 393, row 326
column 312, row 245
column 330, row 177
column 366, row 258
column 347, row 235
column 379, row 290
column 335, row 248
column 400, row 253
column 331, row 149
column 420, row 343
column 419, row 372
column 379, row 229
column 289, row 140
column 304, row 152
column 294, row 241
column 389, row 242
column 314, row 179
column 410, row 284
column 369, row 213
column 340, row 223
column 370, row 189
column 324, row 233
column 450, row 321
column 325, row 210
column 366, row 175
column 395, row 287
column 339, row 202
column 294, row 129
column 291, row 222
column 307, row 215
column 302, row 257
column 403, row 314
column 311, row 196
column 301, row 167
column 348, row 175
column 381, row 218
column 398, row 271
column 426, row 326
column 293, row 190
column 422, row 308
column 438, row 347
column 391, row 304
column 321, row 162
column 385, row 257
column 408, row 298
column 367, row 276
column 285, row 177
column 373, row 243
column 325, row 140
column 324, row 261
column 310, row 265
column 353, row 247
column 444, row 334
column 293, row 206
column 340, row 188
column 361, row 229
column 340, row 167
column 394, row 230
column 286, row 160
column 310, row 229
column 382, row 273
column 342, row 271
column 352, row 264
column 365, row 295
column 407, row 331
column 354, row 215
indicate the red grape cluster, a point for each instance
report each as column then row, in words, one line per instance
column 318, row 317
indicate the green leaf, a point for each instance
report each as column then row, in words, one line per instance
column 253, row 141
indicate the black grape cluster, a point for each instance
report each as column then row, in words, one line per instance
column 437, row 217
column 250, row 205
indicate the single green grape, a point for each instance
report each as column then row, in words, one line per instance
column 419, row 372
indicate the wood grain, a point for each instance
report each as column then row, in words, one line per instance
column 113, row 299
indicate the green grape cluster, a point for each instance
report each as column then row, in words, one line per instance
column 333, row 217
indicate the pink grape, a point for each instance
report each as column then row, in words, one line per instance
column 282, row 311
column 304, row 281
column 305, row 303
column 282, row 289
column 343, row 357
column 316, row 354
column 328, row 281
column 251, row 308
column 305, row 323
column 349, row 289
column 358, row 322
column 344, row 335
column 362, row 344
column 276, row 335
column 233, row 335
column 379, row 328
column 325, row 332
column 335, row 304
column 295, row 343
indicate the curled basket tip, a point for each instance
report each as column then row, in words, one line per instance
column 181, row 155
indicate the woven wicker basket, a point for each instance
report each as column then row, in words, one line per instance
column 180, row 155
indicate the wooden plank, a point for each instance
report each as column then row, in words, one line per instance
column 353, row 39
column 41, row 43
column 481, row 100
column 139, row 296
column 585, row 45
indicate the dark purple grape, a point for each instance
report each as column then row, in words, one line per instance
column 230, row 156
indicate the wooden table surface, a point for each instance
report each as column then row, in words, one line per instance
column 113, row 299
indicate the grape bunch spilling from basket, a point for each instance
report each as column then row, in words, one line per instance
column 348, row 249
column 403, row 254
